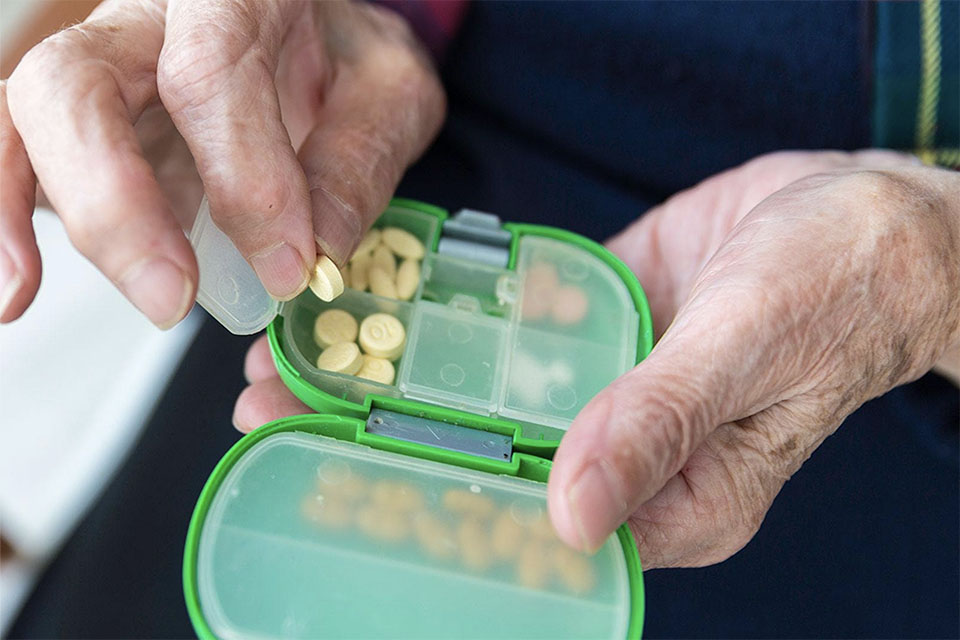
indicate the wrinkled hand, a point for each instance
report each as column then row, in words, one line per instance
column 298, row 117
column 792, row 289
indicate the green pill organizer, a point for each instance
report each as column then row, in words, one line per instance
column 418, row 509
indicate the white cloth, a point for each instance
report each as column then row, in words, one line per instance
column 80, row 373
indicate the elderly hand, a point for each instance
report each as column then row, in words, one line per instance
column 795, row 287
column 298, row 117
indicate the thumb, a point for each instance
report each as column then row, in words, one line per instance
column 637, row 433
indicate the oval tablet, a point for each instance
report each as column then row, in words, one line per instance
column 507, row 536
column 474, row 543
column 381, row 283
column 403, row 243
column 326, row 281
column 435, row 537
column 396, row 496
column 333, row 326
column 377, row 369
column 322, row 510
column 408, row 277
column 343, row 357
column 368, row 243
column 532, row 568
column 383, row 258
column 574, row 569
column 359, row 271
column 382, row 335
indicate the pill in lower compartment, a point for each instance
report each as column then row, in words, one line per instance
column 435, row 536
column 468, row 503
column 377, row 369
column 403, row 243
column 507, row 536
column 386, row 525
column 333, row 326
column 533, row 569
column 326, row 282
column 574, row 570
column 326, row 511
column 408, row 278
column 381, row 283
column 382, row 335
column 343, row 357
column 396, row 496
column 474, row 542
column 539, row 287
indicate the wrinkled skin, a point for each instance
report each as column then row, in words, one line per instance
column 788, row 291
column 299, row 118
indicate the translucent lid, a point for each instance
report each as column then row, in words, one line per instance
column 310, row 537
column 229, row 288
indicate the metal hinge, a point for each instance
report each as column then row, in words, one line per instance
column 440, row 434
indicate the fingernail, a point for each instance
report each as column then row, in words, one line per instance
column 10, row 282
column 338, row 226
column 160, row 289
column 281, row 270
column 596, row 505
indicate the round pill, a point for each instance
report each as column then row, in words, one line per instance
column 381, row 283
column 474, row 543
column 403, row 243
column 408, row 278
column 343, row 357
column 574, row 570
column 383, row 258
column 327, row 512
column 367, row 244
column 569, row 305
column 435, row 537
column 382, row 335
column 468, row 503
column 377, row 369
column 326, row 281
column 333, row 326
column 507, row 536
column 533, row 568
column 359, row 270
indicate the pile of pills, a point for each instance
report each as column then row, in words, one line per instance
column 366, row 350
column 387, row 262
column 457, row 526
column 544, row 296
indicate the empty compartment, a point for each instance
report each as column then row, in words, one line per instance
column 444, row 277
column 566, row 289
column 550, row 377
column 453, row 358
column 299, row 316
column 310, row 537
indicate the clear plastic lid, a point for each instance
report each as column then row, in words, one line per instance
column 229, row 288
column 310, row 537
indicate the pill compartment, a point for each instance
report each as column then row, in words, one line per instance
column 310, row 537
column 454, row 358
column 479, row 287
column 302, row 351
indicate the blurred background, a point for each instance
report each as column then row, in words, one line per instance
column 80, row 372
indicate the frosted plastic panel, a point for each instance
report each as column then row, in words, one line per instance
column 229, row 288
column 454, row 358
column 310, row 537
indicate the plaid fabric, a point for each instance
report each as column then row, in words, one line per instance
column 436, row 22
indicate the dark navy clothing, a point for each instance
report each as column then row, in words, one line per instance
column 582, row 116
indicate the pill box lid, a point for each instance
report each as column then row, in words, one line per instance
column 229, row 288
column 290, row 539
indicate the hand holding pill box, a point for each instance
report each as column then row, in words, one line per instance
column 413, row 503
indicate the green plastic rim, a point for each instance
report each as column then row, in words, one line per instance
column 323, row 402
column 352, row 430
column 344, row 420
